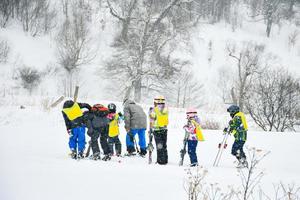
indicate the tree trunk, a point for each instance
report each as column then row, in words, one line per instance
column 269, row 26
column 138, row 90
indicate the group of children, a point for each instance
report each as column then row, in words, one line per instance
column 103, row 122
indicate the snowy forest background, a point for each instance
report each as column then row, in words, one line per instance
column 200, row 53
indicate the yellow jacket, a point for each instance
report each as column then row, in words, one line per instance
column 73, row 112
column 113, row 130
column 160, row 118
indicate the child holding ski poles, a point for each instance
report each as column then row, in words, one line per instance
column 238, row 127
column 193, row 135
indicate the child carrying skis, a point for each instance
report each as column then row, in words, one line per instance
column 193, row 134
column 113, row 130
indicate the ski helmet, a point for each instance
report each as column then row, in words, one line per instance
column 191, row 112
column 159, row 99
column 233, row 109
column 68, row 104
column 112, row 107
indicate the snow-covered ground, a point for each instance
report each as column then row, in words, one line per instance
column 34, row 162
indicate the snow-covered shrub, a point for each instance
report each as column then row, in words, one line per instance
column 30, row 78
column 210, row 124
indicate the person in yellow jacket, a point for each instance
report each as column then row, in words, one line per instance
column 75, row 125
column 113, row 131
column 159, row 120
column 193, row 134
column 238, row 127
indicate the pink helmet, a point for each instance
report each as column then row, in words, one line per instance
column 191, row 112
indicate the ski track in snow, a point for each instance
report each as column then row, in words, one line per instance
column 35, row 163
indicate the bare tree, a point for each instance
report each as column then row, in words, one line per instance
column 5, row 12
column 270, row 13
column 247, row 60
column 292, row 38
column 4, row 51
column 184, row 90
column 30, row 78
column 274, row 101
column 36, row 16
column 143, row 47
column 74, row 44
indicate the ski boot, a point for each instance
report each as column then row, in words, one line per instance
column 106, row 158
column 143, row 152
column 74, row 154
column 194, row 165
column 242, row 163
column 96, row 156
column 80, row 155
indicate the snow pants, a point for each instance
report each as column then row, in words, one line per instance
column 77, row 139
column 115, row 141
column 130, row 139
column 192, row 145
column 160, row 137
column 103, row 133
column 237, row 149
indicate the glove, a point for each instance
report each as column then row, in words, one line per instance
column 225, row 130
column 120, row 114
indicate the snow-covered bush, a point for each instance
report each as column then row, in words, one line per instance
column 30, row 78
column 210, row 124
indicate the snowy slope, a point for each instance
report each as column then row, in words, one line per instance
column 35, row 165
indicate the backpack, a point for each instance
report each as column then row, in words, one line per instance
column 100, row 110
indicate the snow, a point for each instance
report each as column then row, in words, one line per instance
column 35, row 163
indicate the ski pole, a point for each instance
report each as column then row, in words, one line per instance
column 220, row 145
column 224, row 147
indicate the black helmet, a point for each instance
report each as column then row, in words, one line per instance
column 112, row 107
column 233, row 109
column 68, row 104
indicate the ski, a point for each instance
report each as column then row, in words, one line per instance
column 76, row 93
column 221, row 146
column 88, row 149
column 183, row 150
column 58, row 101
column 150, row 147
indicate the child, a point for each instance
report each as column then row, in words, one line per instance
column 73, row 116
column 194, row 132
column 113, row 131
column 97, row 124
column 238, row 127
column 159, row 120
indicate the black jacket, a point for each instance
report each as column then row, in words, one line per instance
column 96, row 121
column 78, row 121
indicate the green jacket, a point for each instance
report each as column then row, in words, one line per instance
column 239, row 127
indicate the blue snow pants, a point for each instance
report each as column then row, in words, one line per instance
column 237, row 149
column 77, row 139
column 192, row 145
column 142, row 139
